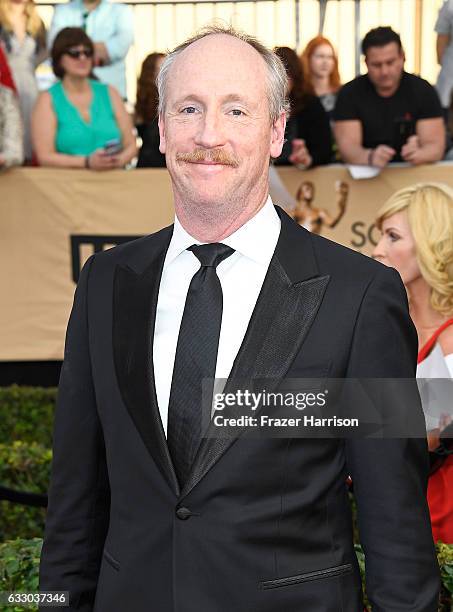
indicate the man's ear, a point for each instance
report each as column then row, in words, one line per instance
column 278, row 135
column 162, row 144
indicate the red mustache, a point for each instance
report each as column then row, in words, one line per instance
column 216, row 156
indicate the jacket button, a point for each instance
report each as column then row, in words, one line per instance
column 183, row 513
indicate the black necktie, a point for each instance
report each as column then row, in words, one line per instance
column 196, row 356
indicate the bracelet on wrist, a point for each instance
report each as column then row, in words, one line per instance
column 87, row 162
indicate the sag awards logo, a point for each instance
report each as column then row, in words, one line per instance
column 316, row 218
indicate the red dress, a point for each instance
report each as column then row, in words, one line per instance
column 440, row 484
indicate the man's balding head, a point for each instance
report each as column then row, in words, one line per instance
column 276, row 78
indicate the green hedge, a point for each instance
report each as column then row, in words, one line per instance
column 19, row 568
column 23, row 467
column 19, row 563
column 26, row 414
column 26, row 422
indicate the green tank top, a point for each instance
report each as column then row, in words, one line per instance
column 74, row 136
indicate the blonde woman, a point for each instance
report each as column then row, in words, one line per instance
column 23, row 36
column 417, row 239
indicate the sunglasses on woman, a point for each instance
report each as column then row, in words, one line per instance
column 77, row 53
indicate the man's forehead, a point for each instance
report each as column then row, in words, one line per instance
column 219, row 54
column 387, row 51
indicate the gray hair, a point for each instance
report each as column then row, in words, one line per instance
column 277, row 82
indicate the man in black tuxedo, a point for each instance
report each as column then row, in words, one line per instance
column 145, row 517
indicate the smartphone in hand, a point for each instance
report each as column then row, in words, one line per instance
column 112, row 147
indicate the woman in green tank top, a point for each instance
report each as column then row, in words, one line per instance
column 80, row 122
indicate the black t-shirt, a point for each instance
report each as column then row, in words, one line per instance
column 389, row 120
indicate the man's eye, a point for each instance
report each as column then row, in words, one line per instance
column 237, row 112
column 189, row 110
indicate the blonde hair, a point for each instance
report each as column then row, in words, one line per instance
column 34, row 26
column 429, row 209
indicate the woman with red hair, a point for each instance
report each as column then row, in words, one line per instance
column 320, row 64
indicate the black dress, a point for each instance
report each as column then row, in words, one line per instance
column 311, row 124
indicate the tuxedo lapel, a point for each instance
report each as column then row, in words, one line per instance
column 287, row 305
column 134, row 311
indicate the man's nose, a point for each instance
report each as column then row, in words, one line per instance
column 210, row 133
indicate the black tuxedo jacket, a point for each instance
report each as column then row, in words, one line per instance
column 262, row 525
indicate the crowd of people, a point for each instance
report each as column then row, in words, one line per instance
column 383, row 116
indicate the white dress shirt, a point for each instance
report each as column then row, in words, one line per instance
column 241, row 277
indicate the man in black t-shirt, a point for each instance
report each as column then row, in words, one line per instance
column 388, row 114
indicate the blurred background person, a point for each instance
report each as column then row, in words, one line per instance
column 80, row 122
column 11, row 148
column 110, row 25
column 388, row 114
column 417, row 239
column 146, row 121
column 308, row 139
column 444, row 48
column 321, row 75
column 23, row 36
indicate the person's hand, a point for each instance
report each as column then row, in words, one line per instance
column 101, row 55
column 100, row 160
column 434, row 435
column 300, row 155
column 381, row 156
column 411, row 152
column 118, row 160
column 444, row 421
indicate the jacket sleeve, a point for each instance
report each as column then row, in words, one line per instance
column 390, row 474
column 79, row 495
column 118, row 45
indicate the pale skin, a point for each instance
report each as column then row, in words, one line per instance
column 397, row 249
column 300, row 155
column 385, row 69
column 220, row 110
column 78, row 90
column 322, row 62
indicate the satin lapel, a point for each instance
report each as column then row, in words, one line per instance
column 283, row 315
column 134, row 313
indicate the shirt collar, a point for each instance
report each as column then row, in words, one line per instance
column 256, row 239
